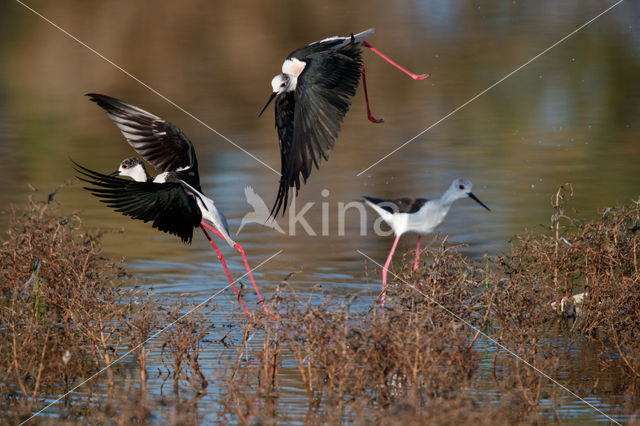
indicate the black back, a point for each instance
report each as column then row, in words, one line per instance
column 399, row 205
column 317, row 47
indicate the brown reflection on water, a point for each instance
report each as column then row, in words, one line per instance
column 570, row 116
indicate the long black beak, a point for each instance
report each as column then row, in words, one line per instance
column 473, row 197
column 116, row 173
column 273, row 95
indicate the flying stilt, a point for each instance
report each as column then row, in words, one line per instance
column 417, row 215
column 312, row 98
column 173, row 200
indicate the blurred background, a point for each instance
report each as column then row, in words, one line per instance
column 570, row 116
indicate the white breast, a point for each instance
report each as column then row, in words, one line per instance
column 428, row 218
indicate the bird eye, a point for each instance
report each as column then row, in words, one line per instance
column 282, row 84
column 461, row 187
column 124, row 166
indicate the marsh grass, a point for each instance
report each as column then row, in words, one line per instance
column 420, row 361
column 65, row 315
column 437, row 355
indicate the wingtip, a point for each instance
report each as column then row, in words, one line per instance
column 96, row 97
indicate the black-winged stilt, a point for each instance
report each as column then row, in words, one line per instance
column 417, row 215
column 312, row 98
column 173, row 200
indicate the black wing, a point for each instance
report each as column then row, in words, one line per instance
column 285, row 108
column 399, row 205
column 158, row 141
column 170, row 208
column 309, row 121
column 334, row 42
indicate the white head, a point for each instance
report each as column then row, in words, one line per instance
column 133, row 168
column 281, row 83
column 461, row 188
column 287, row 81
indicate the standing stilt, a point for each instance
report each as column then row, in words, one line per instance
column 417, row 215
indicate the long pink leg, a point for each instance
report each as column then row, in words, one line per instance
column 224, row 265
column 385, row 269
column 415, row 263
column 246, row 264
column 409, row 73
column 366, row 99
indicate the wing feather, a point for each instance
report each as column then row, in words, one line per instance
column 159, row 142
column 170, row 208
column 399, row 205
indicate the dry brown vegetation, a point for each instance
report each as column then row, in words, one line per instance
column 64, row 317
column 419, row 362
column 442, row 353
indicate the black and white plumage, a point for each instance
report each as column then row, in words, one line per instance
column 312, row 98
column 134, row 168
column 419, row 216
column 159, row 142
column 398, row 205
column 172, row 205
column 173, row 200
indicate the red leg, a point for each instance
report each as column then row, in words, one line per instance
column 366, row 99
column 409, row 73
column 246, row 264
column 224, row 265
column 415, row 263
column 386, row 269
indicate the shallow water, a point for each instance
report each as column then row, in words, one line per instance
column 569, row 116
